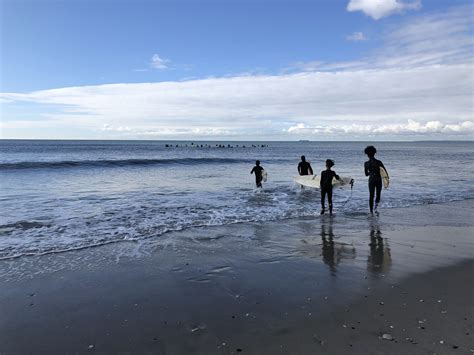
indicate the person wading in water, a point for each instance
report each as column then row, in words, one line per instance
column 304, row 168
column 258, row 170
column 372, row 170
column 326, row 185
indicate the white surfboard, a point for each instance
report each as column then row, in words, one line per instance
column 314, row 180
column 264, row 176
column 385, row 177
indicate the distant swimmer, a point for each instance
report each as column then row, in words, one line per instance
column 373, row 169
column 327, row 177
column 258, row 170
column 304, row 168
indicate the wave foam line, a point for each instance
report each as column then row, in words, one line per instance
column 116, row 163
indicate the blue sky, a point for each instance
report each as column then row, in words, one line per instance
column 222, row 69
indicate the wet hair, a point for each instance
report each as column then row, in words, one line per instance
column 329, row 163
column 303, row 158
column 257, row 162
column 370, row 150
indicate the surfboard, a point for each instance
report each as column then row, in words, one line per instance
column 264, row 176
column 385, row 178
column 314, row 180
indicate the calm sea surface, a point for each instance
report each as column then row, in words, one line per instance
column 63, row 195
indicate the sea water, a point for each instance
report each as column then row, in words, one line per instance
column 65, row 195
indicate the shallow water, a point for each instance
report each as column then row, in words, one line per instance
column 63, row 195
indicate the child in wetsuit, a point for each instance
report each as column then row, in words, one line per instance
column 326, row 185
column 258, row 170
column 372, row 170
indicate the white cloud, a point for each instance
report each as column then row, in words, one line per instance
column 183, row 132
column 427, row 40
column 431, row 39
column 300, row 127
column 382, row 8
column 158, row 63
column 410, row 127
column 356, row 37
column 327, row 66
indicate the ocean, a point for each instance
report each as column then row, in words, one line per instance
column 57, row 196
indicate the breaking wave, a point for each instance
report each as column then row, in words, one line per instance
column 116, row 163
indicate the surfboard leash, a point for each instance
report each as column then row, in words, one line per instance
column 350, row 196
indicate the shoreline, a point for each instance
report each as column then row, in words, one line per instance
column 391, row 212
column 285, row 287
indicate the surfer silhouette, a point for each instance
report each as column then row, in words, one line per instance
column 326, row 185
column 258, row 170
column 304, row 168
column 372, row 170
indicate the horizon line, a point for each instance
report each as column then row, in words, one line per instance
column 222, row 140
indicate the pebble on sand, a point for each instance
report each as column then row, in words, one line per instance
column 387, row 337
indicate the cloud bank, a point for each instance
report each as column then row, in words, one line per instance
column 411, row 127
column 255, row 103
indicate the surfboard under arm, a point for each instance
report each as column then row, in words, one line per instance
column 385, row 177
column 314, row 181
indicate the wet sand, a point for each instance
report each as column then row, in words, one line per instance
column 309, row 286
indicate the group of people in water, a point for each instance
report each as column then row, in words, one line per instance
column 371, row 169
column 193, row 145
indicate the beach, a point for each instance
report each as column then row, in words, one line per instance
column 397, row 282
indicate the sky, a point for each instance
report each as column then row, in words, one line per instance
column 237, row 70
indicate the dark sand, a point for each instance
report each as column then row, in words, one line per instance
column 308, row 286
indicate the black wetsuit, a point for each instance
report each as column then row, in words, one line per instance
column 372, row 170
column 304, row 168
column 257, row 169
column 326, row 187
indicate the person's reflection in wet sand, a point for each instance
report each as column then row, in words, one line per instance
column 327, row 237
column 380, row 258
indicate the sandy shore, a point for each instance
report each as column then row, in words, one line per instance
column 397, row 283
